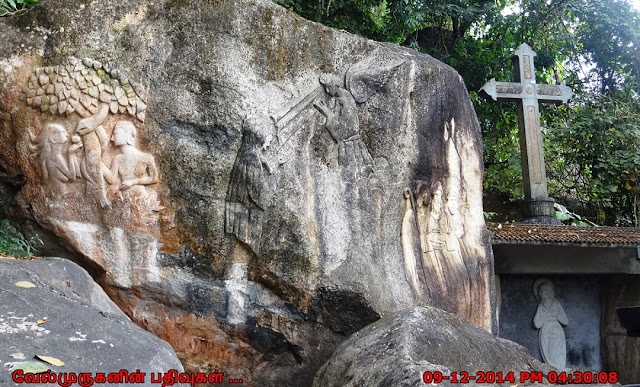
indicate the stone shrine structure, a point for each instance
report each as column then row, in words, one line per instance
column 247, row 185
column 538, row 207
column 594, row 271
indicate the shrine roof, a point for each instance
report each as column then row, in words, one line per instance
column 574, row 235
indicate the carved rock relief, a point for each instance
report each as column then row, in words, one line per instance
column 549, row 319
column 267, row 143
column 251, row 186
column 86, row 155
column 432, row 234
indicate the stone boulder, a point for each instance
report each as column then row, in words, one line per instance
column 69, row 317
column 250, row 186
column 399, row 349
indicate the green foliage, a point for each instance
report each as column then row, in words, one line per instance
column 591, row 145
column 488, row 214
column 8, row 7
column 14, row 244
column 567, row 217
column 592, row 155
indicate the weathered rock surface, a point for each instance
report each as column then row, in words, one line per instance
column 397, row 351
column 247, row 185
column 83, row 328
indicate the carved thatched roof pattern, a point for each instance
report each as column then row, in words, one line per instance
column 547, row 234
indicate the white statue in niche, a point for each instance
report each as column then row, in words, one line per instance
column 56, row 169
column 548, row 319
column 131, row 170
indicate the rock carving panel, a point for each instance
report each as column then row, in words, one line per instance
column 343, row 125
column 85, row 153
column 445, row 271
column 437, row 233
column 335, row 101
column 56, row 158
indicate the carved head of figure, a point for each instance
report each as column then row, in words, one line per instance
column 56, row 134
column 331, row 83
column 124, row 133
column 436, row 201
column 543, row 289
column 257, row 129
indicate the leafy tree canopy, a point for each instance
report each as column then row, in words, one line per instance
column 591, row 144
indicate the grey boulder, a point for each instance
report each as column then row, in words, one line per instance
column 79, row 324
column 398, row 350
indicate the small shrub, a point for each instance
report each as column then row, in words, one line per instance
column 8, row 7
column 14, row 244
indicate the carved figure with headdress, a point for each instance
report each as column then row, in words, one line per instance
column 250, row 188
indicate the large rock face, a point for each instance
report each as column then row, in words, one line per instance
column 247, row 185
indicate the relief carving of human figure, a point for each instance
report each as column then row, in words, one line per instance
column 549, row 319
column 251, row 186
column 344, row 127
column 448, row 281
column 57, row 169
column 131, row 170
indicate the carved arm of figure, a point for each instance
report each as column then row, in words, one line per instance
column 92, row 123
column 111, row 173
column 331, row 118
column 65, row 173
column 549, row 312
column 539, row 317
column 264, row 162
column 560, row 314
column 151, row 176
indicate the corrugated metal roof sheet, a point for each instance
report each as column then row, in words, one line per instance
column 546, row 234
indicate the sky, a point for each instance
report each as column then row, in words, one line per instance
column 635, row 3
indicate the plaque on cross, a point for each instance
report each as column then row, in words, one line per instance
column 528, row 94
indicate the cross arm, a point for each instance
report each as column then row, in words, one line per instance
column 502, row 91
column 511, row 91
column 557, row 94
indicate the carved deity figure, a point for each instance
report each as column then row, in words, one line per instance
column 250, row 187
column 344, row 127
column 438, row 235
column 445, row 271
column 549, row 319
column 57, row 168
column 131, row 169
